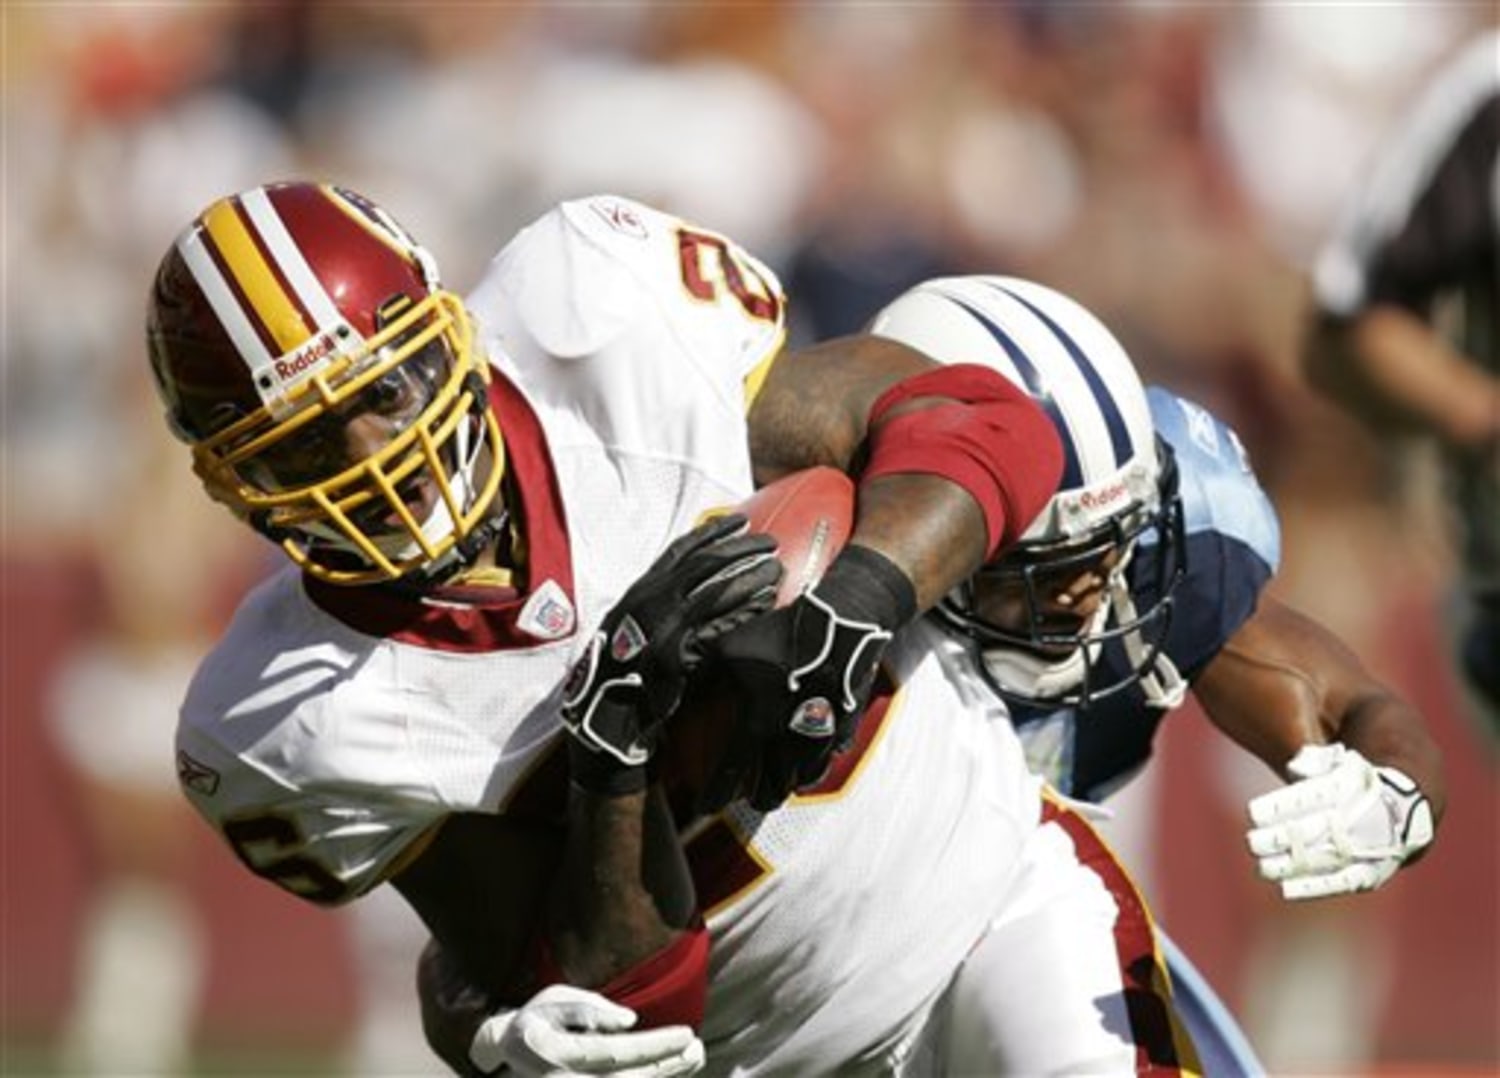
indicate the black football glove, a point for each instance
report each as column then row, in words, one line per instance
column 631, row 678
column 805, row 673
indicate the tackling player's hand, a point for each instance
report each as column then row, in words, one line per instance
column 1343, row 825
column 805, row 673
column 631, row 677
column 564, row 1031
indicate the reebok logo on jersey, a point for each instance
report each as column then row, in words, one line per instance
column 197, row 777
column 621, row 218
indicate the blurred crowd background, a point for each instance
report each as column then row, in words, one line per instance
column 1174, row 166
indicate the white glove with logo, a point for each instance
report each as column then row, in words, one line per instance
column 1344, row 825
column 563, row 1031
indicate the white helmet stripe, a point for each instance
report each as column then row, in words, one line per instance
column 1061, row 383
column 1026, row 374
column 1119, row 435
column 289, row 258
column 1066, row 360
column 221, row 297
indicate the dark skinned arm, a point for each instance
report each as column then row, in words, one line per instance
column 453, row 1007
column 609, row 890
column 813, row 409
column 951, row 462
column 618, row 890
column 480, row 886
column 1284, row 681
column 625, row 892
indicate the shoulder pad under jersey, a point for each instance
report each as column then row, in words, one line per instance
column 587, row 271
column 1218, row 484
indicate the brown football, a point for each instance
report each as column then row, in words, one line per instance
column 810, row 513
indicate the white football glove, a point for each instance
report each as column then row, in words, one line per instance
column 563, row 1031
column 1344, row 825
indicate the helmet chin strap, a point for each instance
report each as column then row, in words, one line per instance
column 1162, row 683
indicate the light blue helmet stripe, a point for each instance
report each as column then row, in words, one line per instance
column 1119, row 433
column 1036, row 388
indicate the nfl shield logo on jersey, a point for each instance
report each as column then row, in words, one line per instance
column 548, row 614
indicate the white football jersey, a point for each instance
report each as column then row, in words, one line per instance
column 322, row 746
column 839, row 920
column 321, row 750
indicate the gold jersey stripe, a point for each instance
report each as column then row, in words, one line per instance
column 243, row 260
column 757, row 376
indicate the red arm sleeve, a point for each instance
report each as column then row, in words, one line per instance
column 986, row 435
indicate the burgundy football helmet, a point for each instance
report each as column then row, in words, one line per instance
column 327, row 383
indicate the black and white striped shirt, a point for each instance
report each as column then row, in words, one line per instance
column 1423, row 230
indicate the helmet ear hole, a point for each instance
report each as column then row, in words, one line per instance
column 392, row 308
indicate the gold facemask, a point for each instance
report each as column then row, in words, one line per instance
column 346, row 516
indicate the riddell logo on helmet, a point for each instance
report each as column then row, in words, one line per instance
column 304, row 359
column 1099, row 499
column 276, row 379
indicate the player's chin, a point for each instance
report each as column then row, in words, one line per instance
column 1048, row 653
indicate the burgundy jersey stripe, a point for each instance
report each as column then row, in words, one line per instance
column 1159, row 1047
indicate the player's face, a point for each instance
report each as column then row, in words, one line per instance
column 357, row 430
column 1057, row 599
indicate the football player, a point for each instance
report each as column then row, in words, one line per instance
column 1406, row 326
column 1143, row 579
column 500, row 585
